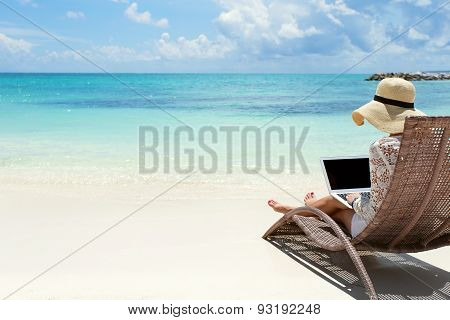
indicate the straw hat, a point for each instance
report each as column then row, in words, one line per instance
column 392, row 103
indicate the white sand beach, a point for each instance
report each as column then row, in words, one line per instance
column 174, row 248
column 140, row 142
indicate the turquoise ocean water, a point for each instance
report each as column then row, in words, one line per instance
column 82, row 128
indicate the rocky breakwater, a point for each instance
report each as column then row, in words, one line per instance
column 416, row 76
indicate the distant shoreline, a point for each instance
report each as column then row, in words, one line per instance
column 411, row 76
column 375, row 76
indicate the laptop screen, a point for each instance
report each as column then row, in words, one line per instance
column 352, row 173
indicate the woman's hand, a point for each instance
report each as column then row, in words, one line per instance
column 352, row 197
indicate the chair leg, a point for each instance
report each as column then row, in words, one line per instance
column 356, row 259
column 354, row 256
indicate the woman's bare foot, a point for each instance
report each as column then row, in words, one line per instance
column 310, row 198
column 278, row 207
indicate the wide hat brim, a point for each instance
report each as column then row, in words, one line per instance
column 384, row 117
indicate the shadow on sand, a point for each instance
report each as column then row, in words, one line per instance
column 395, row 276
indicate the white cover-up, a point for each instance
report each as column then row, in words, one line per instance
column 383, row 155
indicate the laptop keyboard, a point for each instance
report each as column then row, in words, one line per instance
column 344, row 195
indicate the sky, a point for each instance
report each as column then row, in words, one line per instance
column 263, row 36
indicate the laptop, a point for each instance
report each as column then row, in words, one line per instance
column 346, row 175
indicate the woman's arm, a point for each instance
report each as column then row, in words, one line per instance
column 352, row 197
column 362, row 203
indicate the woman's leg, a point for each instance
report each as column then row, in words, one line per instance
column 344, row 216
column 278, row 207
column 327, row 204
column 334, row 208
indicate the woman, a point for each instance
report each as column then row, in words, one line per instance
column 392, row 103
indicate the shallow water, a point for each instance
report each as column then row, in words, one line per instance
column 84, row 128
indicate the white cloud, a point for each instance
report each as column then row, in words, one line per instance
column 144, row 17
column 245, row 18
column 75, row 15
column 291, row 31
column 119, row 54
column 276, row 29
column 259, row 25
column 334, row 19
column 336, row 7
column 441, row 41
column 417, row 35
column 418, row 3
column 120, row 1
column 35, row 34
column 22, row 32
column 101, row 54
column 422, row 3
column 60, row 55
column 198, row 48
column 28, row 3
column 164, row 48
column 376, row 36
column 11, row 45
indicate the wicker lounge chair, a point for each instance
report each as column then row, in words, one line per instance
column 414, row 216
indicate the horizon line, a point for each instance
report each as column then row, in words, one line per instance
column 206, row 73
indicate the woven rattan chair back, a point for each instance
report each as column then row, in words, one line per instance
column 415, row 213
